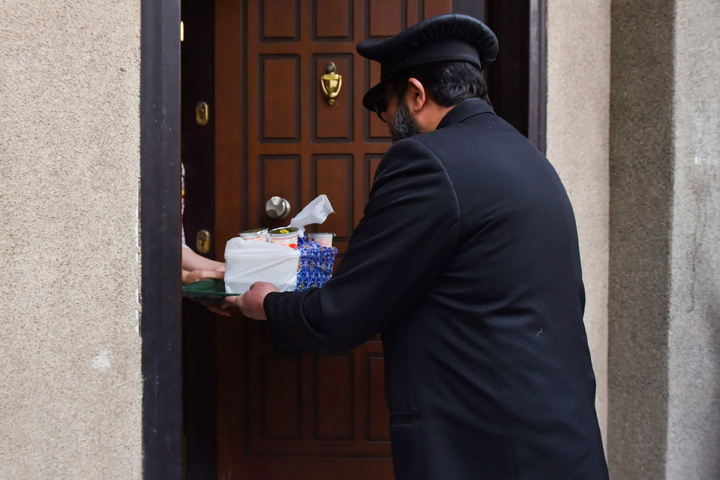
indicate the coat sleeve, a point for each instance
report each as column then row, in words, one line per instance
column 409, row 230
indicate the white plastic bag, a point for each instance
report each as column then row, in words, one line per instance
column 250, row 262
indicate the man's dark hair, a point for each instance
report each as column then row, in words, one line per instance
column 447, row 83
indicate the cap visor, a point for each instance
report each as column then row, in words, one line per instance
column 373, row 96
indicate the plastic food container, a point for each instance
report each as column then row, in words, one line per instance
column 322, row 239
column 257, row 235
column 287, row 236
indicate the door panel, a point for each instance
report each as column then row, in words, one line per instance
column 306, row 405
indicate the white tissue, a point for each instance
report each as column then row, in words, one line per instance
column 314, row 212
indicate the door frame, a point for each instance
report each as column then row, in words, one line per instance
column 537, row 75
column 160, row 217
column 160, row 220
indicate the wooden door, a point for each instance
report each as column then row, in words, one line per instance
column 299, row 416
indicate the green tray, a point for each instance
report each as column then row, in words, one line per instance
column 210, row 291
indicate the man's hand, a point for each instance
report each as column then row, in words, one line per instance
column 250, row 303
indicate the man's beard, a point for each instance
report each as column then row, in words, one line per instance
column 403, row 124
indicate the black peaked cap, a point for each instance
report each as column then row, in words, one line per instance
column 443, row 38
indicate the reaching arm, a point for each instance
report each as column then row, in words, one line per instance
column 196, row 267
column 409, row 230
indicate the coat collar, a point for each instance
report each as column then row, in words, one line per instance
column 464, row 110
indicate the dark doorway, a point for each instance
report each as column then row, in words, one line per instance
column 198, row 157
column 517, row 80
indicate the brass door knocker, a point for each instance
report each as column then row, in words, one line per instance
column 331, row 84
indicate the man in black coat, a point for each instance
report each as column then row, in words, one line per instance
column 467, row 262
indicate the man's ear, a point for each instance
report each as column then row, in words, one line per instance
column 416, row 95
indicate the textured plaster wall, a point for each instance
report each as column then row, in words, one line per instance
column 693, row 446
column 577, row 139
column 70, row 380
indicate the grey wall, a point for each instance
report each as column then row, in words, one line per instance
column 693, row 446
column 664, row 410
column 641, row 176
column 70, row 383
